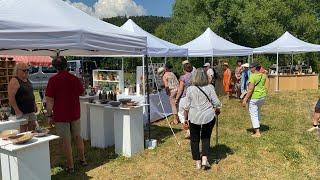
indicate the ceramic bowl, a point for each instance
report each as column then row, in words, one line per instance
column 114, row 103
column 124, row 100
column 21, row 138
column 8, row 133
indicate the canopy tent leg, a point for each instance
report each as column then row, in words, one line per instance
column 204, row 60
column 277, row 74
column 148, row 98
column 122, row 64
column 212, row 61
column 165, row 60
column 291, row 62
column 143, row 76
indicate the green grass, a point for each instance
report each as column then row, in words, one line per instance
column 285, row 150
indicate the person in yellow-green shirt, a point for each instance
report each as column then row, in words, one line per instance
column 256, row 96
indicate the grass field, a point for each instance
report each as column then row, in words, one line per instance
column 285, row 150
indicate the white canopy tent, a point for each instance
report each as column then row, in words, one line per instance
column 57, row 27
column 286, row 44
column 209, row 44
column 156, row 47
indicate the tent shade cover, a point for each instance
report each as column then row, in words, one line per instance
column 287, row 44
column 209, row 44
column 156, row 47
column 56, row 26
column 32, row 60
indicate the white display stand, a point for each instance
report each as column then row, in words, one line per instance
column 129, row 133
column 12, row 123
column 101, row 126
column 85, row 116
column 27, row 161
column 106, row 82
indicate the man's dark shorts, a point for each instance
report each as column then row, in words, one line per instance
column 317, row 108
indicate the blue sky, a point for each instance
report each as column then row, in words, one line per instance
column 153, row 7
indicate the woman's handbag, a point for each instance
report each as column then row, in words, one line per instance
column 207, row 98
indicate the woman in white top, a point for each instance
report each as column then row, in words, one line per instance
column 201, row 99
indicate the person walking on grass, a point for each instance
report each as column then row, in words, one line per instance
column 63, row 109
column 21, row 97
column 199, row 115
column 171, row 84
column 227, row 79
column 315, row 117
column 255, row 96
column 184, row 83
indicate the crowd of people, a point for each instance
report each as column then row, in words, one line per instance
column 194, row 96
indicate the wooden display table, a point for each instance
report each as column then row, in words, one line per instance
column 27, row 161
column 85, row 116
column 293, row 82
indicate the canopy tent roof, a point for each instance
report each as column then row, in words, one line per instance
column 287, row 44
column 32, row 60
column 58, row 26
column 156, row 47
column 209, row 44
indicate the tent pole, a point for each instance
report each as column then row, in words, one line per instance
column 204, row 60
column 277, row 79
column 291, row 61
column 143, row 74
column 122, row 64
column 212, row 61
column 165, row 60
column 148, row 99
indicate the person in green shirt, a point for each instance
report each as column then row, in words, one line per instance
column 256, row 95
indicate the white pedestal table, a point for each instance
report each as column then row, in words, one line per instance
column 85, row 116
column 27, row 161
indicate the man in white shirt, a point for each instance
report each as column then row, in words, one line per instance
column 209, row 72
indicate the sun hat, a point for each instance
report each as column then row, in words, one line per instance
column 225, row 64
column 185, row 62
column 160, row 71
column 255, row 64
column 206, row 65
column 245, row 65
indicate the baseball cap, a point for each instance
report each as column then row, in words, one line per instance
column 245, row 65
column 160, row 70
column 255, row 64
column 206, row 64
column 185, row 62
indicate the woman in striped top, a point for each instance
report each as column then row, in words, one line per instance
column 201, row 99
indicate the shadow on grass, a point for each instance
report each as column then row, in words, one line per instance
column 219, row 152
column 95, row 157
column 160, row 133
column 263, row 128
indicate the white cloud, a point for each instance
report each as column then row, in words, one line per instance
column 111, row 8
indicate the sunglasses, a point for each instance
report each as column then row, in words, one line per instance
column 25, row 70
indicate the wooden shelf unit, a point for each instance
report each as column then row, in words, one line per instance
column 6, row 69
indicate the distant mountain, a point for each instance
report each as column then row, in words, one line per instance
column 148, row 23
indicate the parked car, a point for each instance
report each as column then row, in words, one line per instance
column 39, row 76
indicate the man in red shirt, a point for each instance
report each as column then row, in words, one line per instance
column 63, row 106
